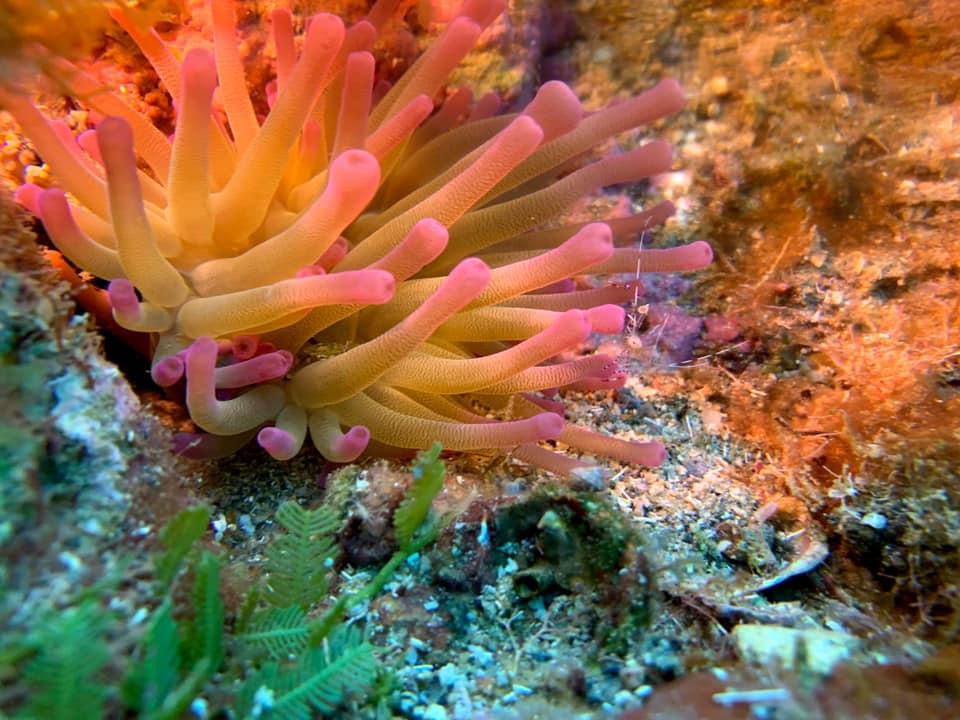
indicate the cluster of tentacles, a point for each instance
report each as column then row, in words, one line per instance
column 359, row 264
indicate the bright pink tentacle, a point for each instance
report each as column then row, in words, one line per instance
column 607, row 319
column 168, row 371
column 400, row 430
column 651, row 454
column 224, row 417
column 282, row 24
column 81, row 250
column 693, row 256
column 262, row 368
column 354, row 103
column 284, row 440
column 332, row 443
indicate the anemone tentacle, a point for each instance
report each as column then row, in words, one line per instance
column 366, row 267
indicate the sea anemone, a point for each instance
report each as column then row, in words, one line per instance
column 359, row 264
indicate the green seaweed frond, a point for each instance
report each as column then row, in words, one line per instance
column 157, row 672
column 310, row 661
column 71, row 649
column 414, row 527
column 171, row 670
column 178, row 537
column 282, row 632
column 174, row 661
column 320, row 681
column 299, row 561
column 247, row 610
column 205, row 633
column 429, row 472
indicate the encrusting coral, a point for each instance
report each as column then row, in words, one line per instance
column 366, row 268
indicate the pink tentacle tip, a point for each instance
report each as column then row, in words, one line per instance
column 355, row 169
column 651, row 454
column 578, row 323
column 471, row 276
column 674, row 97
column 29, row 197
column 114, row 138
column 609, row 367
column 527, row 129
column 245, row 347
column 430, row 237
column 547, row 425
column 607, row 319
column 200, row 70
column 258, row 369
column 700, row 254
column 87, row 140
column 381, row 284
column 279, row 444
column 659, row 153
column 322, row 26
column 168, row 371
column 123, row 298
column 334, row 254
column 271, row 366
column 203, row 350
column 348, row 446
column 311, row 270
column 593, row 243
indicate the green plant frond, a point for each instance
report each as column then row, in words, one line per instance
column 71, row 650
column 205, row 634
column 297, row 521
column 297, row 562
column 178, row 537
column 176, row 702
column 430, row 530
column 424, row 534
column 324, row 678
column 247, row 610
column 282, row 632
column 155, row 676
column 154, row 686
column 248, row 703
column 429, row 472
column 321, row 627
